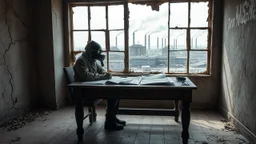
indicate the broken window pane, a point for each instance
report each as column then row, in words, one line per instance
column 178, row 40
column 198, row 61
column 80, row 40
column 199, row 14
column 178, row 62
column 116, row 40
column 179, row 15
column 98, row 17
column 80, row 17
column 116, row 17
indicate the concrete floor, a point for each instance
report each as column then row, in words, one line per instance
column 59, row 127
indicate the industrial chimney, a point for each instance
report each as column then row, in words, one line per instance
column 134, row 38
column 145, row 40
column 157, row 42
column 116, row 41
column 149, row 41
column 162, row 42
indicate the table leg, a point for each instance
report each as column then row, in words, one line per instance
column 176, row 109
column 185, row 118
column 79, row 112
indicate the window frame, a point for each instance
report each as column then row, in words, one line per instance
column 126, row 71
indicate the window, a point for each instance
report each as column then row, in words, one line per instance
column 140, row 37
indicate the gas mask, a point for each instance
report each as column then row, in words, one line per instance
column 97, row 52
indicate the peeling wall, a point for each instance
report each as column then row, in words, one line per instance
column 238, row 75
column 17, row 55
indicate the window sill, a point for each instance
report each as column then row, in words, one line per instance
column 168, row 75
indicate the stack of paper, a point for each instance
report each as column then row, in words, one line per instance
column 124, row 81
column 155, row 79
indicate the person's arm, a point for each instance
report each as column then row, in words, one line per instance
column 100, row 69
column 84, row 74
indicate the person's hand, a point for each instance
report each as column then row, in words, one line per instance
column 108, row 75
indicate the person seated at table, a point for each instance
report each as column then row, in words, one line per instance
column 86, row 68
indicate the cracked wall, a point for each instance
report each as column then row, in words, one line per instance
column 17, row 76
column 238, row 65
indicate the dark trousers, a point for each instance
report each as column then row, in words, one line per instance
column 112, row 109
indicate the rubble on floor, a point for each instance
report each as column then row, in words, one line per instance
column 26, row 118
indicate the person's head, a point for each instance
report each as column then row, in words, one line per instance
column 96, row 51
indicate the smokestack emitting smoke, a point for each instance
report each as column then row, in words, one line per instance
column 134, row 38
column 149, row 41
column 157, row 42
column 116, row 41
column 145, row 40
column 162, row 42
column 174, row 44
column 176, row 41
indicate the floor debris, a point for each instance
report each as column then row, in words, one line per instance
column 26, row 118
column 15, row 140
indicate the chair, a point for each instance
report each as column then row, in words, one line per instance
column 83, row 102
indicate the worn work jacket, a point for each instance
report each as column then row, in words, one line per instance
column 86, row 68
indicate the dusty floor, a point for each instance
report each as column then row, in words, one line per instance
column 58, row 127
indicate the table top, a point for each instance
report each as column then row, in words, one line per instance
column 101, row 83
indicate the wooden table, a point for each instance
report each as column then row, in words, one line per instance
column 177, row 92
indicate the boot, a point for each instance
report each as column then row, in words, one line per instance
column 113, row 126
column 122, row 122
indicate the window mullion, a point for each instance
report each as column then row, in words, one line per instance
column 209, row 48
column 188, row 36
column 107, row 39
column 168, row 55
column 89, row 24
column 72, row 35
column 126, row 35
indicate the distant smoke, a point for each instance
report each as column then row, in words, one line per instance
column 134, row 36
column 159, row 29
column 118, row 35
